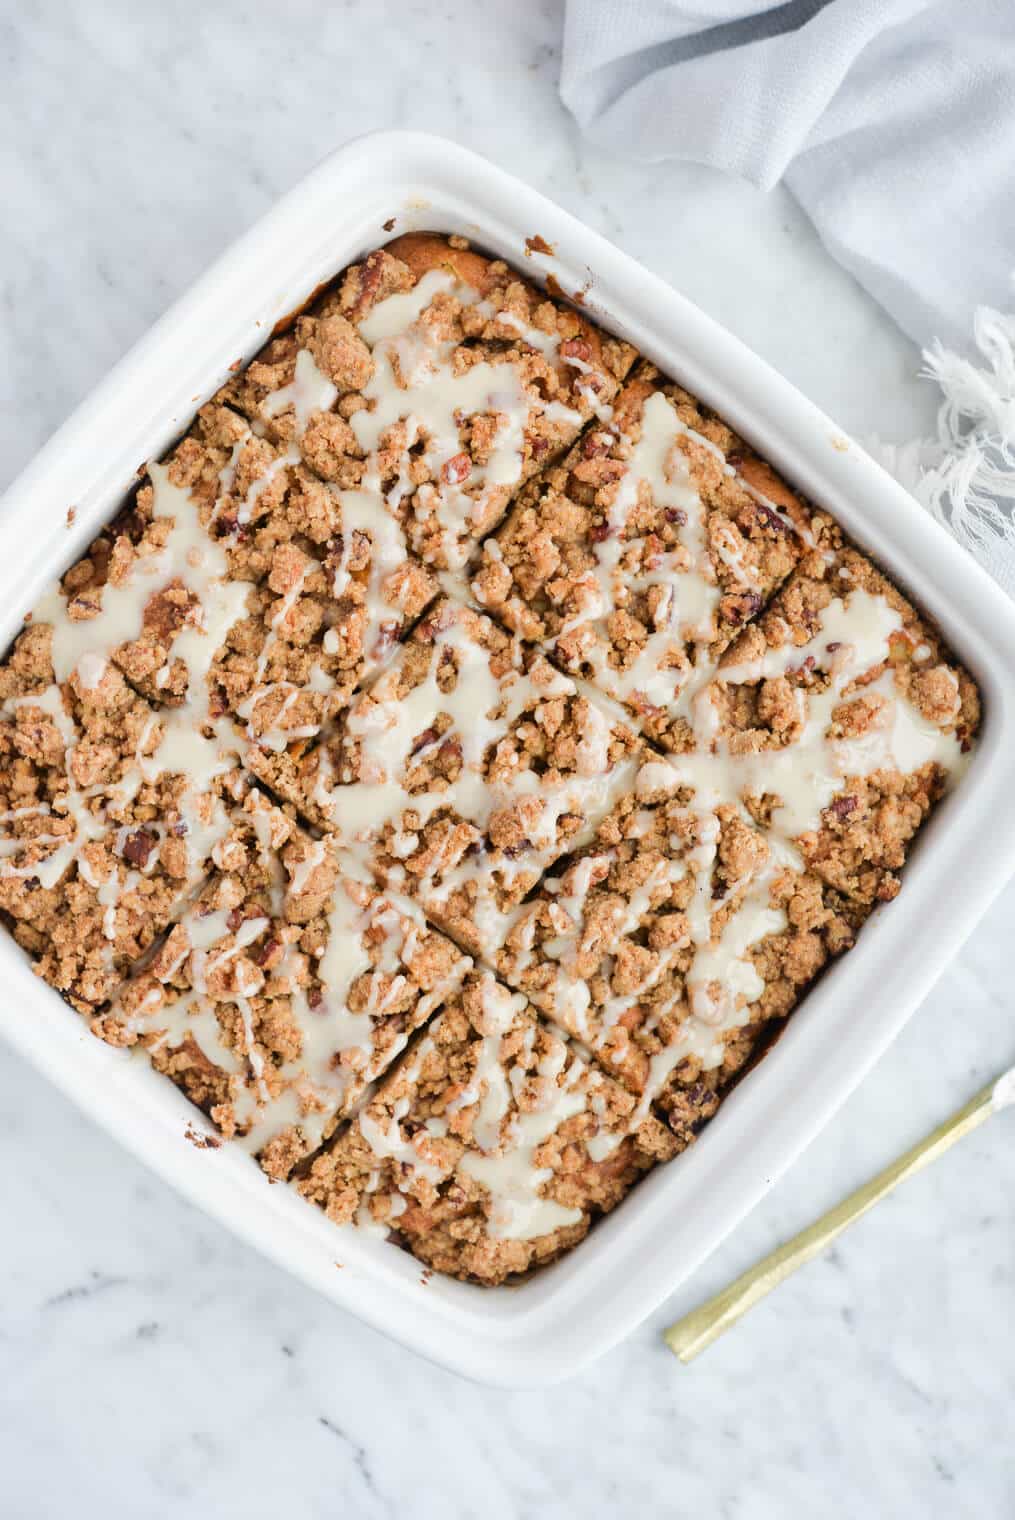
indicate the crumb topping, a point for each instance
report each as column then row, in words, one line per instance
column 457, row 756
column 492, row 1146
column 466, row 769
column 680, row 925
column 284, row 990
column 638, row 559
column 436, row 381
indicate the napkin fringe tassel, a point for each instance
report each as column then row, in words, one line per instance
column 968, row 479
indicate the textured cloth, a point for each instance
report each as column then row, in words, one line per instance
column 891, row 121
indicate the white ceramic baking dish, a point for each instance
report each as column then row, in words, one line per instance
column 550, row 1326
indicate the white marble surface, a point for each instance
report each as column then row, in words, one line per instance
column 152, row 1366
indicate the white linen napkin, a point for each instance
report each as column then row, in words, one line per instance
column 893, row 123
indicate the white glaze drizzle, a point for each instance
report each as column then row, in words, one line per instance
column 685, row 575
column 504, row 1136
column 482, row 709
column 505, row 1159
column 367, row 935
column 190, row 742
column 415, row 385
column 807, row 773
column 723, row 982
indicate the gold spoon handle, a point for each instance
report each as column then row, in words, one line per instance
column 697, row 1330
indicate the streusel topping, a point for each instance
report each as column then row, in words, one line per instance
column 457, row 756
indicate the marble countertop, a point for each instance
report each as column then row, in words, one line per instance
column 154, row 1366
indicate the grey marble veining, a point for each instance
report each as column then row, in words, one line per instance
column 153, row 1366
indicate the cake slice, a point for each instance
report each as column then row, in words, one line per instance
column 109, row 815
column 240, row 589
column 640, row 557
column 492, row 1145
column 158, row 590
column 467, row 768
column 839, row 718
column 670, row 942
column 436, row 380
column 284, row 990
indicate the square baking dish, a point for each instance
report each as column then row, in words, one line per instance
column 548, row 1327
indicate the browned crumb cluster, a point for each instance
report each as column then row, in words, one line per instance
column 590, row 742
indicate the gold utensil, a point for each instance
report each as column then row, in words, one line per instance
column 697, row 1330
